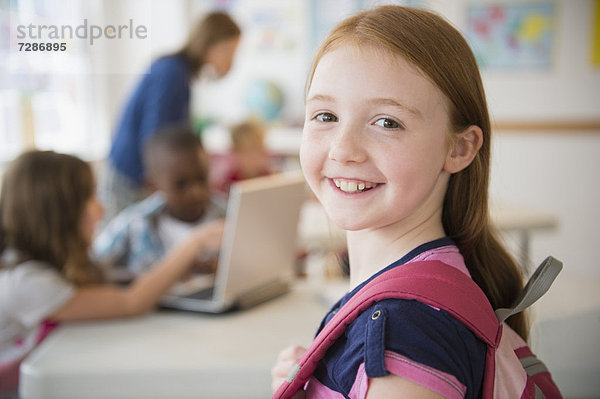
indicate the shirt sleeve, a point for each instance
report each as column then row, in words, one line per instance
column 37, row 292
column 111, row 246
column 426, row 345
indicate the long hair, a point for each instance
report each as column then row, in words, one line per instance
column 213, row 28
column 43, row 197
column 436, row 48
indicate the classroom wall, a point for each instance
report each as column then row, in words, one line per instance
column 554, row 171
column 568, row 89
column 168, row 28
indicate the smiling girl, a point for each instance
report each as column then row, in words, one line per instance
column 396, row 147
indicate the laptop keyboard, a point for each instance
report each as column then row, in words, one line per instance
column 192, row 284
column 206, row 293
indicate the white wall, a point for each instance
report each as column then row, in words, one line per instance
column 168, row 28
column 560, row 174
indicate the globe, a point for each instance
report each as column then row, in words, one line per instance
column 264, row 100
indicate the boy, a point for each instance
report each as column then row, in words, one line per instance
column 177, row 171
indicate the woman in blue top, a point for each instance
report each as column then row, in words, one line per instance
column 396, row 147
column 162, row 98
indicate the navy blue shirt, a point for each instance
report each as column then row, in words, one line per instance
column 161, row 98
column 413, row 330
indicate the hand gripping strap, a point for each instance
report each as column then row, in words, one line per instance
column 431, row 282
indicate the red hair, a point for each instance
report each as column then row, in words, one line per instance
column 438, row 50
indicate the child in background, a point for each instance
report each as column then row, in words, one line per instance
column 48, row 214
column 249, row 157
column 400, row 159
column 177, row 171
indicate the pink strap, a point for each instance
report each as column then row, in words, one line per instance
column 431, row 282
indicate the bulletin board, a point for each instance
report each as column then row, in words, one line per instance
column 512, row 35
column 539, row 62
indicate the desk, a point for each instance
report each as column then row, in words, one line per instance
column 181, row 355
column 172, row 354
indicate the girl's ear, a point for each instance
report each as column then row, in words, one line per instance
column 463, row 149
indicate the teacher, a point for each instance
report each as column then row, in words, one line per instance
column 162, row 97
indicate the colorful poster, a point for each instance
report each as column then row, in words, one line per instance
column 512, row 35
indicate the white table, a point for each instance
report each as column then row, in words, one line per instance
column 172, row 354
column 183, row 355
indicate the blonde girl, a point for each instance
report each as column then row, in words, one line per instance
column 396, row 146
column 48, row 213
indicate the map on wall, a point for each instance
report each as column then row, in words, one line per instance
column 512, row 35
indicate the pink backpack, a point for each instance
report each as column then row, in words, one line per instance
column 511, row 370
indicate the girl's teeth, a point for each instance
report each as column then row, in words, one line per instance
column 350, row 186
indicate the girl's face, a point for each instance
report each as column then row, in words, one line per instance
column 375, row 143
column 92, row 214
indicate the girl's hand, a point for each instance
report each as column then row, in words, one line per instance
column 286, row 359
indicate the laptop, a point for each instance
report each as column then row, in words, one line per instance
column 258, row 250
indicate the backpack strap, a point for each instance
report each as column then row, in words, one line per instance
column 538, row 285
column 433, row 283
